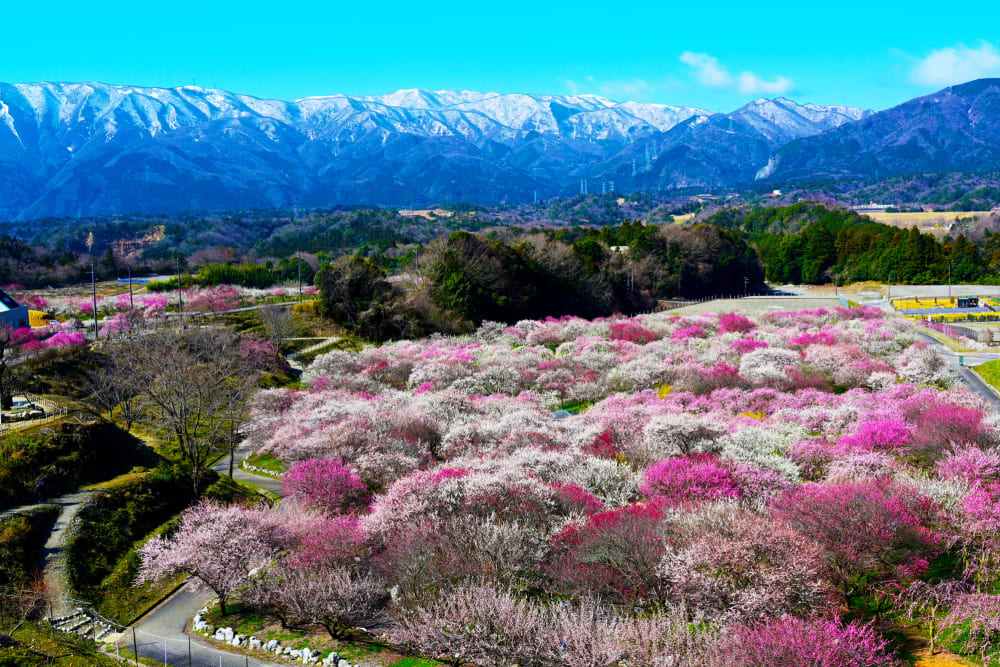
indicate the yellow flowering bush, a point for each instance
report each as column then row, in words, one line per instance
column 38, row 318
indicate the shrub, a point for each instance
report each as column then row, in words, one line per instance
column 692, row 478
column 612, row 553
column 485, row 624
column 109, row 524
column 972, row 625
column 744, row 567
column 734, row 322
column 877, row 435
column 22, row 538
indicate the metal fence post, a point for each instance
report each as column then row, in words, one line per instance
column 135, row 647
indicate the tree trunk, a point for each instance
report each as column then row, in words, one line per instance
column 195, row 478
column 232, row 455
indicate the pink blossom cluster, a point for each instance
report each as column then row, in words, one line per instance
column 585, row 360
column 755, row 472
column 205, row 299
column 26, row 340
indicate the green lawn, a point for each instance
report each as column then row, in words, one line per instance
column 266, row 462
column 39, row 645
column 990, row 372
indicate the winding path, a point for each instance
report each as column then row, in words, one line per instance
column 963, row 372
column 54, row 551
column 163, row 626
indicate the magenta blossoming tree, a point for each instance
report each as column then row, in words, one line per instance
column 692, row 478
column 869, row 528
column 326, row 484
column 793, row 642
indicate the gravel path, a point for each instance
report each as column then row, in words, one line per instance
column 54, row 552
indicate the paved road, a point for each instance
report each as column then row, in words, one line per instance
column 963, row 373
column 164, row 625
column 906, row 290
column 270, row 483
column 161, row 634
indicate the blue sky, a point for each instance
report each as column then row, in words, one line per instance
column 708, row 54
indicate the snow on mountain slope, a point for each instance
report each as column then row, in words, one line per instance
column 89, row 148
column 782, row 120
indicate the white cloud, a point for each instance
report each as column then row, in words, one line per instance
column 707, row 69
column 709, row 72
column 956, row 64
column 753, row 84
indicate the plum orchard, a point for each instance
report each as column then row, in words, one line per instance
column 729, row 484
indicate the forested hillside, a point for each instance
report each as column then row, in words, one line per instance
column 809, row 243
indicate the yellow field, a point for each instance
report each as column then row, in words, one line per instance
column 927, row 302
column 683, row 218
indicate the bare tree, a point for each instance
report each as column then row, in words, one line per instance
column 195, row 380
column 112, row 386
column 22, row 605
column 235, row 414
column 9, row 344
column 278, row 323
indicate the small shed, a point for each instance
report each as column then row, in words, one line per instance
column 968, row 302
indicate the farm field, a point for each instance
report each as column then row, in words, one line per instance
column 931, row 222
column 757, row 305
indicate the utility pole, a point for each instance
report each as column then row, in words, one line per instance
column 746, row 285
column 180, row 292
column 131, row 303
column 631, row 279
column 298, row 263
column 93, row 291
column 949, row 282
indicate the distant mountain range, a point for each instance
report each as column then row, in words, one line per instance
column 74, row 149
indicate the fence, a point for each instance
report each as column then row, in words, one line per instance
column 52, row 414
column 984, row 336
column 175, row 651
column 128, row 644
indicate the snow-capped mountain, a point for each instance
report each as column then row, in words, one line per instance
column 782, row 120
column 86, row 148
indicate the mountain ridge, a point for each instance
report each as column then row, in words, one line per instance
column 953, row 129
column 84, row 148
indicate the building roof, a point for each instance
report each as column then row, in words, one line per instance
column 7, row 302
